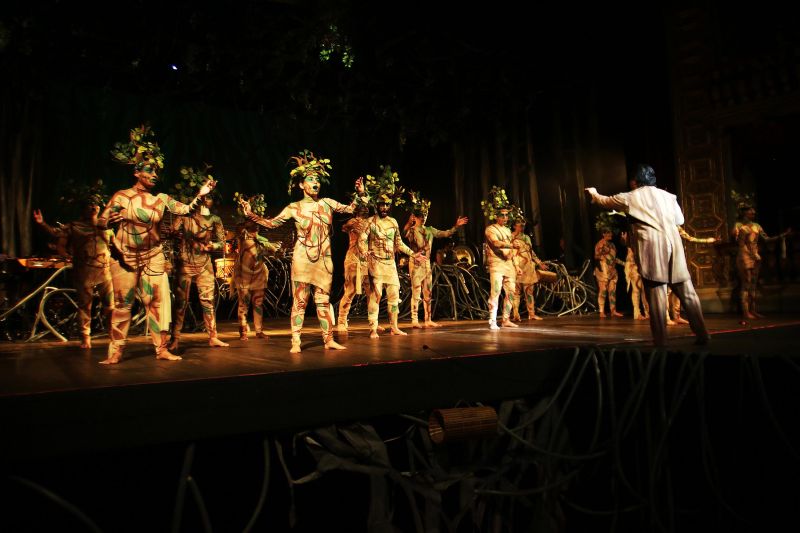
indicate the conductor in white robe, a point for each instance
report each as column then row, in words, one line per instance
column 655, row 216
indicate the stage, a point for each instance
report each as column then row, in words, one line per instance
column 56, row 398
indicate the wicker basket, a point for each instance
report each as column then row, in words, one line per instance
column 445, row 425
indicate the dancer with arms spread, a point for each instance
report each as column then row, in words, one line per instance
column 420, row 239
column 311, row 259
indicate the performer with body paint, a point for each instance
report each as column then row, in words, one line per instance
column 499, row 252
column 526, row 262
column 420, row 239
column 197, row 235
column 311, row 259
column 250, row 273
column 89, row 247
column 747, row 233
column 383, row 241
column 138, row 265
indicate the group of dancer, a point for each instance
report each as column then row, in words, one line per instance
column 130, row 260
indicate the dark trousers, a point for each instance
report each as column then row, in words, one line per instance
column 657, row 296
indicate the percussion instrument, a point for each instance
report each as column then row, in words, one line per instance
column 464, row 254
column 224, row 268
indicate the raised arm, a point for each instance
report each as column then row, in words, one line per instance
column 460, row 221
column 179, row 208
column 39, row 219
column 361, row 197
column 270, row 223
column 617, row 202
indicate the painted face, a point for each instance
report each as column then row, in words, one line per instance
column 310, row 185
column 502, row 217
column 750, row 214
column 146, row 178
column 362, row 211
column 519, row 227
column 208, row 201
column 383, row 209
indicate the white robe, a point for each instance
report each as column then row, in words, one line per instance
column 655, row 217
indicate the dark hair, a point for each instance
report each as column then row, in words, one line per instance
column 645, row 175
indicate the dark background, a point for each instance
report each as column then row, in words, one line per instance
column 430, row 88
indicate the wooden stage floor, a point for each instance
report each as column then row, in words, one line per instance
column 53, row 390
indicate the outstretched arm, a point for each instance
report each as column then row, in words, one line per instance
column 617, row 202
column 767, row 238
column 460, row 221
column 270, row 223
column 704, row 240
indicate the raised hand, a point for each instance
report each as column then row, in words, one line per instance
column 37, row 216
column 360, row 185
column 461, row 221
column 207, row 187
column 245, row 207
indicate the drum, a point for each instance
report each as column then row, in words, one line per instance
column 547, row 276
column 224, row 268
column 464, row 254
